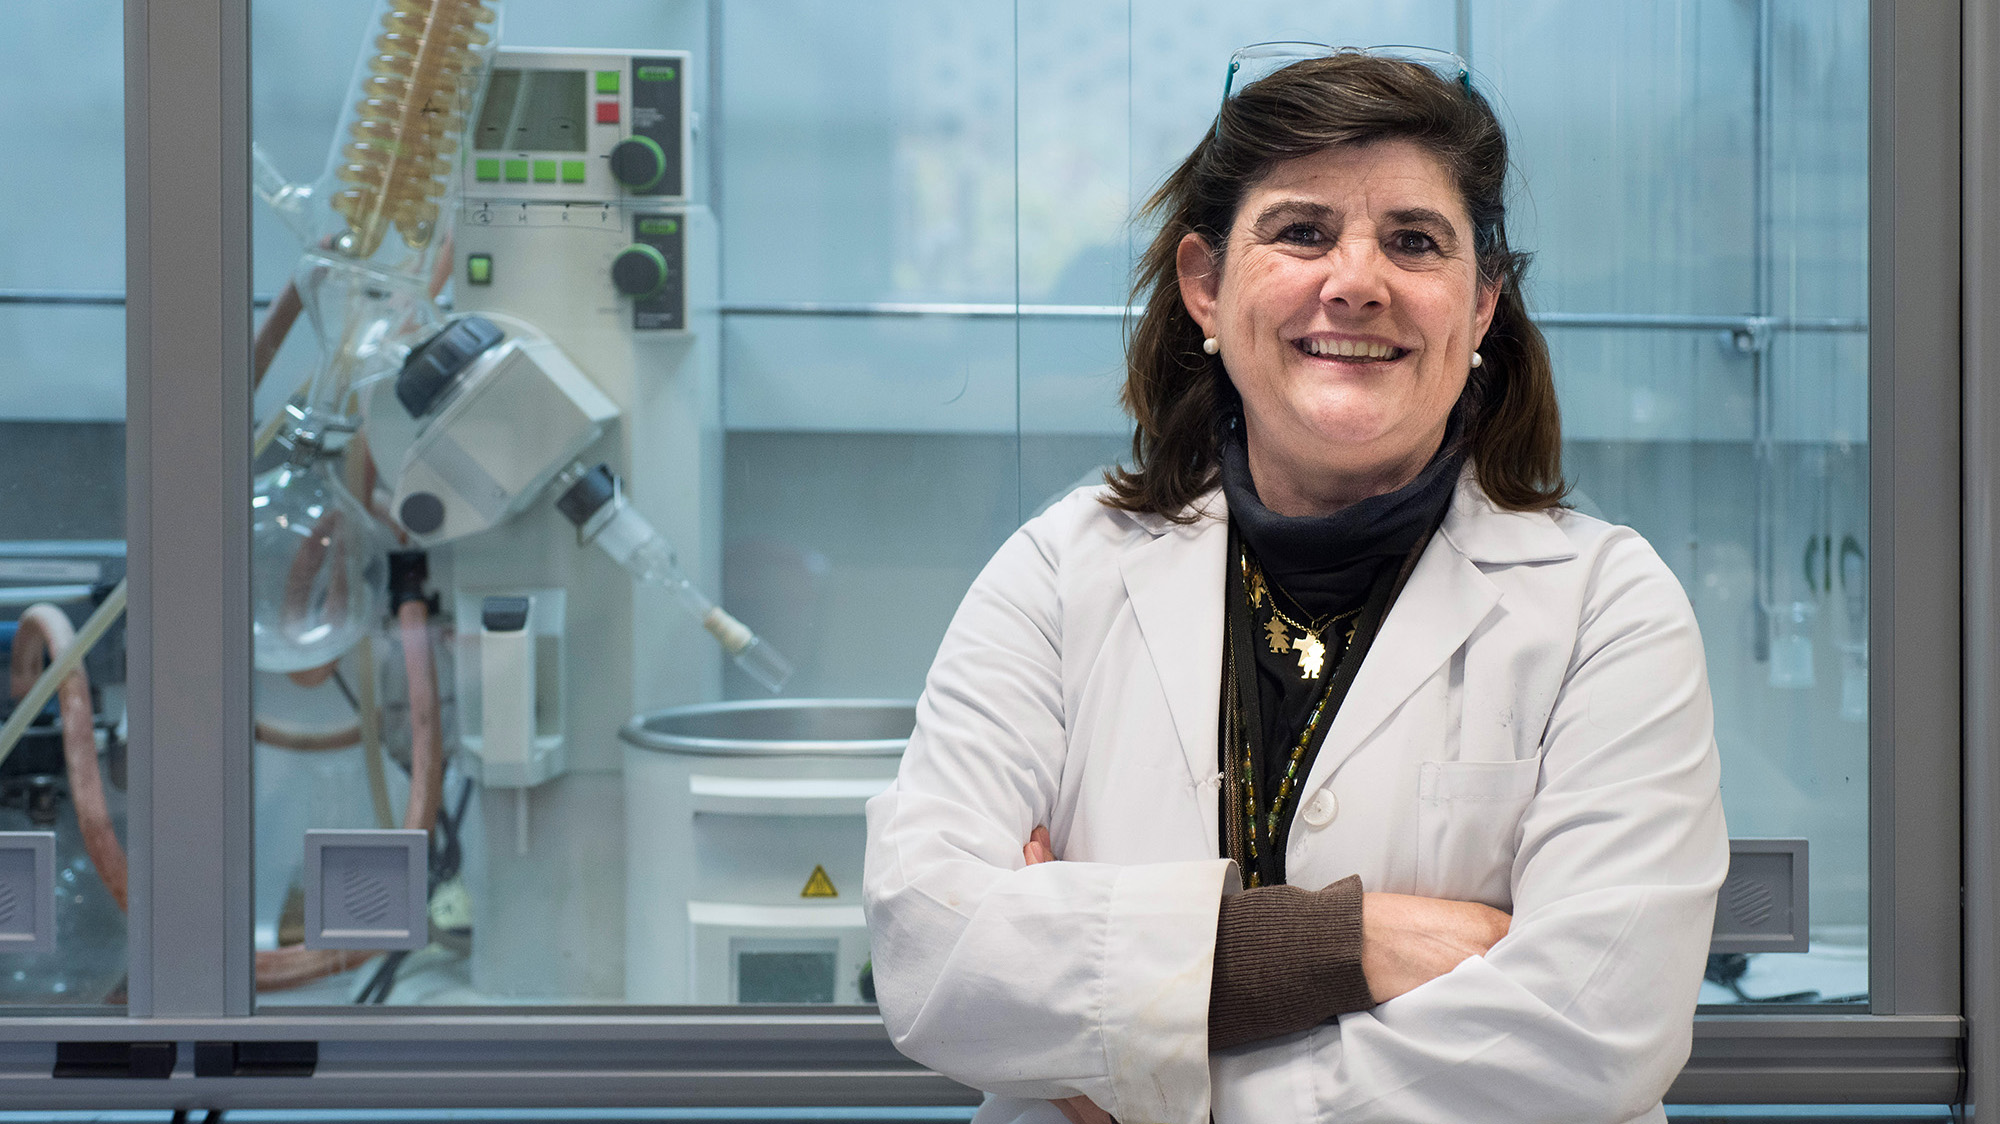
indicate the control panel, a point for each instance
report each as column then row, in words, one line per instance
column 580, row 170
column 582, row 126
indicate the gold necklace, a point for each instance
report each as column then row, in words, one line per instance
column 1310, row 647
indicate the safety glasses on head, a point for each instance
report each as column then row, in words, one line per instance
column 1260, row 60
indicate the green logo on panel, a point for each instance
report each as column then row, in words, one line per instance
column 659, row 226
column 658, row 73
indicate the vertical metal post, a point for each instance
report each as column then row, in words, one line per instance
column 188, row 507
column 1980, row 229
column 1914, row 582
column 1763, row 453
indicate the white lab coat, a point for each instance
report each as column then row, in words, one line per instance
column 1531, row 729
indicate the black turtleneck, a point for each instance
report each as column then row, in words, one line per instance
column 1324, row 564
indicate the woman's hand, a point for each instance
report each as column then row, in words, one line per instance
column 1038, row 849
column 1078, row 1110
column 1408, row 940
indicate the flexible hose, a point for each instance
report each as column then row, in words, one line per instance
column 272, row 332
column 371, row 737
column 426, row 721
column 46, row 633
column 280, row 969
column 306, row 741
column 296, row 965
column 44, row 688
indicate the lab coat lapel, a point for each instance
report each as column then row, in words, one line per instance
column 1174, row 581
column 1444, row 600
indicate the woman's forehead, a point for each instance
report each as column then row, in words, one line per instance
column 1382, row 179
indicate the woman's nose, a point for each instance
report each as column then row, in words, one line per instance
column 1356, row 277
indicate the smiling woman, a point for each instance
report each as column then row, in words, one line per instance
column 1347, row 319
column 1442, row 836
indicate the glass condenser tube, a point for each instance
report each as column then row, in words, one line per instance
column 406, row 123
column 593, row 501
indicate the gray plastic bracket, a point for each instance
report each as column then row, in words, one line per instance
column 367, row 889
column 1763, row 903
column 27, row 891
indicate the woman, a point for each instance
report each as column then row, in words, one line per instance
column 1333, row 638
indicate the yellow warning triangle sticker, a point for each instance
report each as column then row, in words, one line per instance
column 819, row 885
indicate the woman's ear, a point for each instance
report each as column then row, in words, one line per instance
column 1484, row 302
column 1200, row 280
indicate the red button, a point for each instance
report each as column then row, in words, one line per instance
column 607, row 113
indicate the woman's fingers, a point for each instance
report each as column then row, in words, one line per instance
column 1038, row 849
column 1083, row 1110
column 1407, row 941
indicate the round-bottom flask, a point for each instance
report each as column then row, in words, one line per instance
column 315, row 572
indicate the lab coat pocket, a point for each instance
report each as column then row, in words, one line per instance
column 1468, row 820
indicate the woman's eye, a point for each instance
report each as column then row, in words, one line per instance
column 1301, row 234
column 1414, row 242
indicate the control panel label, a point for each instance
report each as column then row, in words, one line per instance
column 665, row 310
column 658, row 101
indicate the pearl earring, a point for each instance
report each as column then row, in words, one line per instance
column 1476, row 360
column 1210, row 345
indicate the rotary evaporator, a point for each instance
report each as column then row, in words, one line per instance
column 445, row 663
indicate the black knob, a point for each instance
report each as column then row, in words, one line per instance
column 638, row 163
column 422, row 512
column 639, row 271
column 436, row 364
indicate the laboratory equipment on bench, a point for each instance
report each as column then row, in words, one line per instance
column 582, row 277
column 594, row 500
column 62, row 772
column 512, row 649
column 571, row 221
column 476, row 424
column 744, row 841
column 373, row 228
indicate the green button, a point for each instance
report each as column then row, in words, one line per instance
column 479, row 269
column 486, row 170
column 573, row 171
column 517, row 171
column 607, row 81
column 545, row 171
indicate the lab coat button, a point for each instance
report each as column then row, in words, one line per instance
column 1320, row 810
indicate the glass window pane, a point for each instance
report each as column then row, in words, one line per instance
column 794, row 350
column 63, row 763
column 1696, row 180
column 867, row 323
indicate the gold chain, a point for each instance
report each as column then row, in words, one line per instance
column 1310, row 647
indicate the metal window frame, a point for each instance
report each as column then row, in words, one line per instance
column 1980, row 302
column 188, row 263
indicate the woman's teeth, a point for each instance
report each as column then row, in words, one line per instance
column 1350, row 349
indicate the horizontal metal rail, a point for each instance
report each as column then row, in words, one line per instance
column 89, row 298
column 16, row 596
column 998, row 310
column 111, row 298
column 457, row 1058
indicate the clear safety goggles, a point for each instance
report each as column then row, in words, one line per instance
column 1260, row 60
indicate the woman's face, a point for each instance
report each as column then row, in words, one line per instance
column 1347, row 308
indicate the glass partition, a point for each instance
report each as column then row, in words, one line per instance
column 836, row 298
column 63, row 762
column 1695, row 188
column 757, row 306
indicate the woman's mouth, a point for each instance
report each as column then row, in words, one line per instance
column 1363, row 351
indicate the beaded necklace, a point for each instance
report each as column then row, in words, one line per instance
column 1262, row 825
column 1255, row 834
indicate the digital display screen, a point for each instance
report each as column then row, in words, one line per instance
column 532, row 111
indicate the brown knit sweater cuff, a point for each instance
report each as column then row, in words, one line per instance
column 1286, row 959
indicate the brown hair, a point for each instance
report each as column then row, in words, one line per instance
column 1177, row 396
